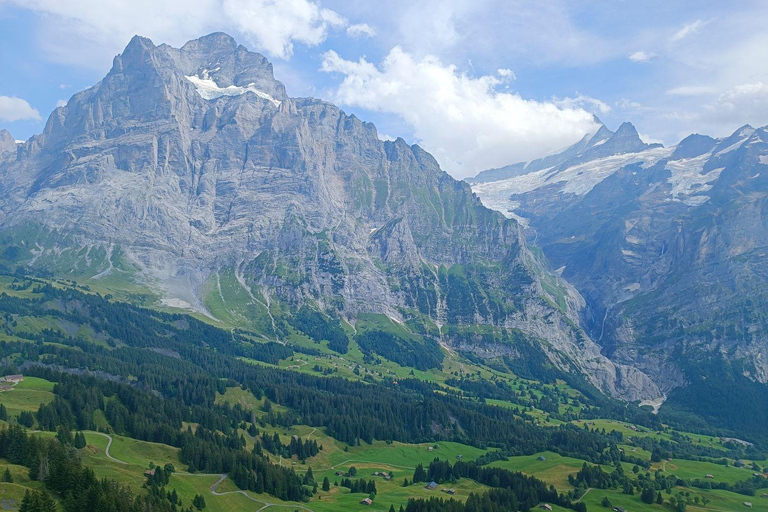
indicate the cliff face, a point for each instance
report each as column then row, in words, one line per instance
column 192, row 172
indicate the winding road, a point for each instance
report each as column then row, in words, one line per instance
column 109, row 444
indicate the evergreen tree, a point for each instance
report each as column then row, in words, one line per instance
column 80, row 440
column 326, row 484
column 7, row 477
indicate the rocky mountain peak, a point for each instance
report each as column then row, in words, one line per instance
column 693, row 146
column 7, row 142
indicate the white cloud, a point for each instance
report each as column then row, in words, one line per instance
column 746, row 103
column 626, row 104
column 91, row 32
column 360, row 30
column 691, row 90
column 641, row 56
column 465, row 122
column 61, row 103
column 687, row 30
column 583, row 102
column 274, row 25
column 17, row 109
column 506, row 73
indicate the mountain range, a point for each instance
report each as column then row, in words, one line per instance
column 188, row 179
column 666, row 245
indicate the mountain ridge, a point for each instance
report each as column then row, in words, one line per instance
column 185, row 166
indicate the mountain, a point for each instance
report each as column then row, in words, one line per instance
column 190, row 173
column 7, row 142
column 667, row 246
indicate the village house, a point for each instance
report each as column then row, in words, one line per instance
column 13, row 379
column 367, row 501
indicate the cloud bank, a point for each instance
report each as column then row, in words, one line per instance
column 17, row 109
column 465, row 122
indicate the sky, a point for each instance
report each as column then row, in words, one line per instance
column 478, row 83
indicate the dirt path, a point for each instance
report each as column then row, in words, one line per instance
column 109, row 444
column 265, row 504
column 585, row 493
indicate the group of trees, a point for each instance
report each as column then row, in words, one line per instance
column 515, row 490
column 296, row 446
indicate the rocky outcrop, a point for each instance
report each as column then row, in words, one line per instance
column 7, row 142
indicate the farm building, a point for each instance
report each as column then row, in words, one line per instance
column 546, row 506
column 366, row 501
column 431, row 486
column 13, row 379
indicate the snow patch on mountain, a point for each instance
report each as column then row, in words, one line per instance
column 578, row 180
column 764, row 159
column 210, row 90
column 688, row 180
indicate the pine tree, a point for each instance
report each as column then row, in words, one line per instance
column 3, row 413
column 80, row 440
column 326, row 484
column 7, row 477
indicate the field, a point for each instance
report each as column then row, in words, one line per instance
column 27, row 395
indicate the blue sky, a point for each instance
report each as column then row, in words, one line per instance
column 478, row 83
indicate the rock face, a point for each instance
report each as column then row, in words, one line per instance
column 7, row 142
column 190, row 170
column 667, row 246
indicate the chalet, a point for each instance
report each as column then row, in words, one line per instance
column 709, row 476
column 431, row 486
column 430, row 448
column 748, row 504
column 366, row 501
column 459, row 456
column 5, row 387
column 451, row 491
column 13, row 379
column 149, row 472
column 764, row 495
column 339, row 473
column 546, row 506
column 541, row 458
column 619, row 509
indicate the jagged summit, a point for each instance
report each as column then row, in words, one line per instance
column 7, row 142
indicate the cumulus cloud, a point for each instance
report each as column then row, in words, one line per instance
column 360, row 30
column 274, row 25
column 464, row 121
column 641, row 56
column 17, row 109
column 583, row 102
column 506, row 73
column 91, row 31
column 61, row 103
column 687, row 30
column 741, row 104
